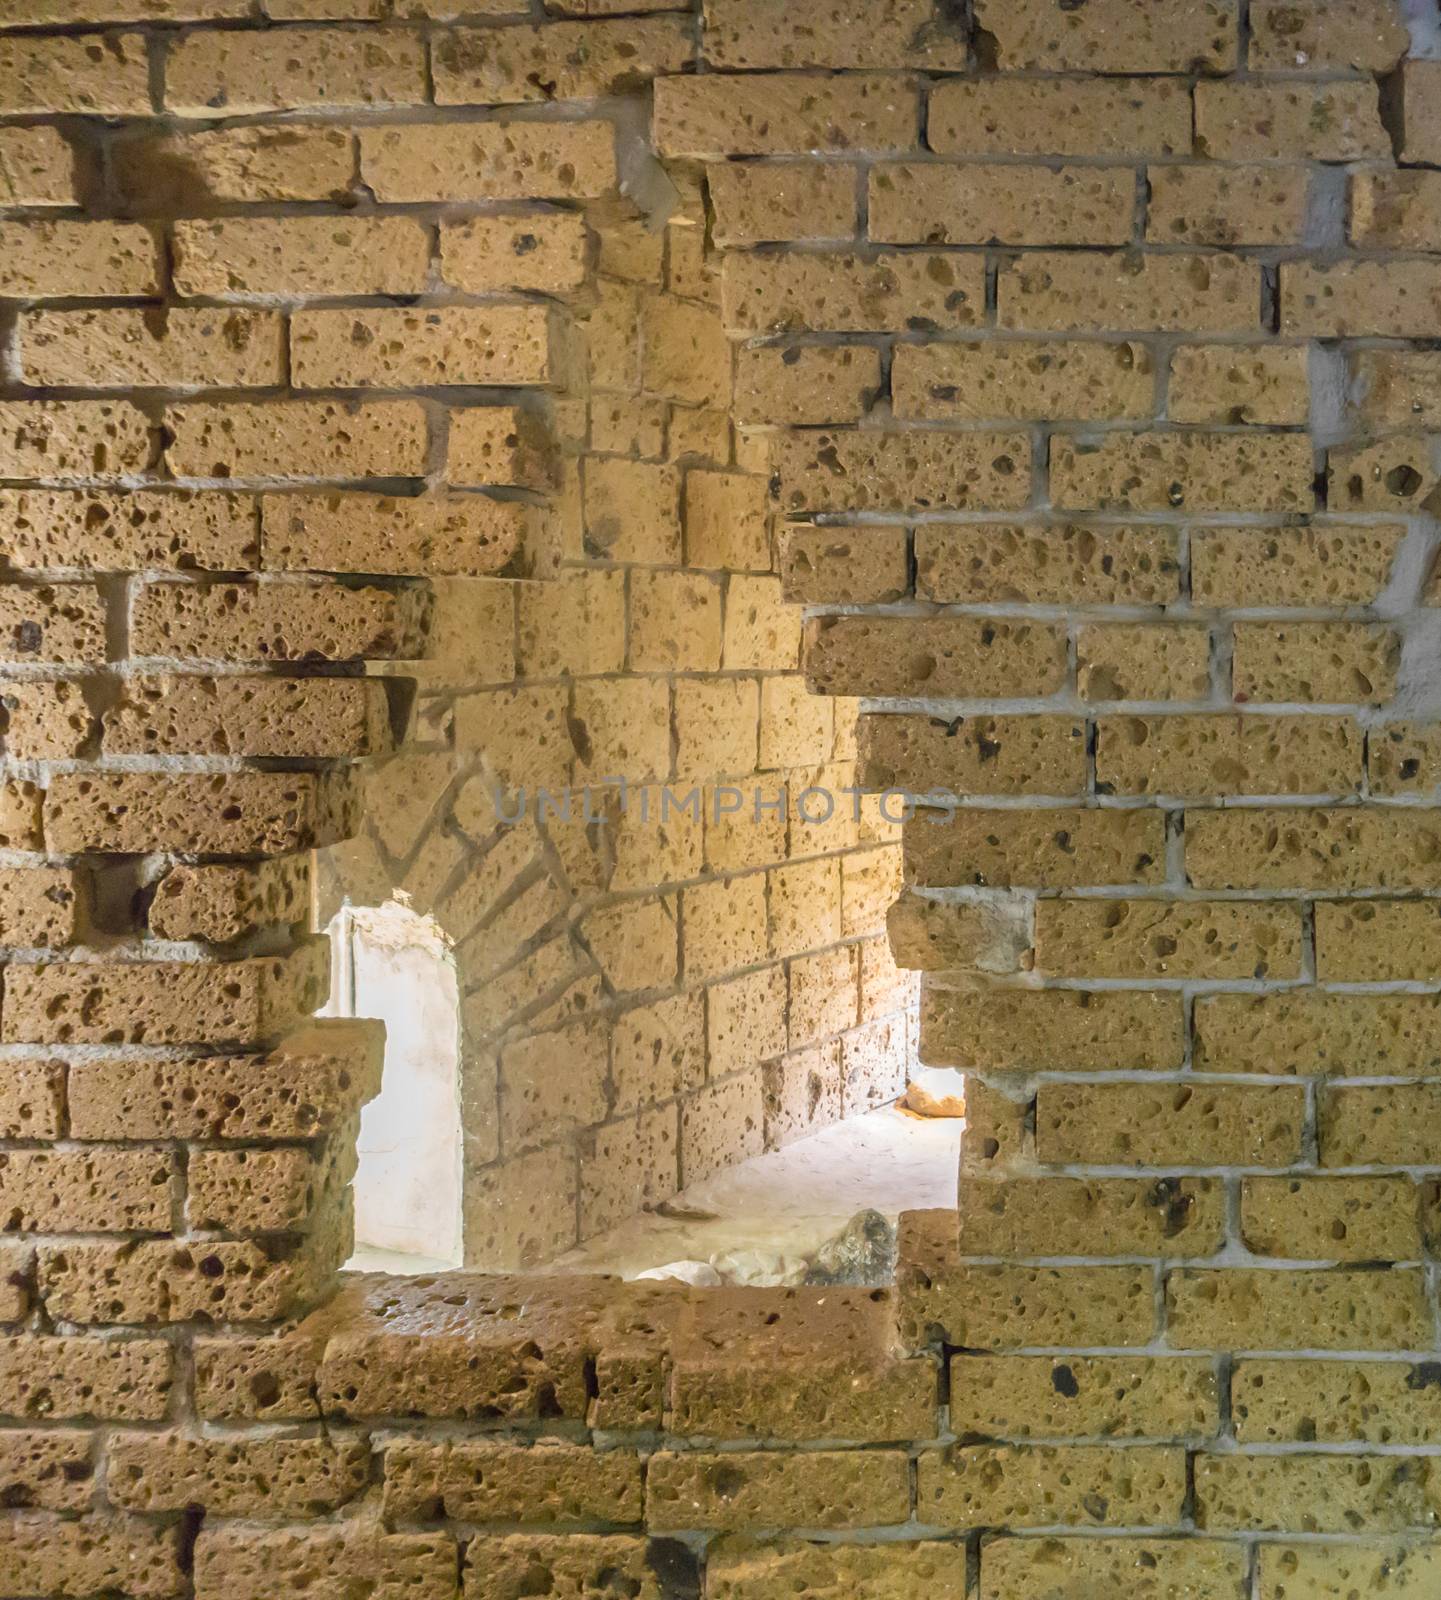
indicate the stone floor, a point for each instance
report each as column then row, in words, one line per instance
column 758, row 1221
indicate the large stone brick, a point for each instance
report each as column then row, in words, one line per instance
column 234, row 1478
column 1059, row 117
column 1008, row 754
column 1185, row 472
column 930, row 203
column 1022, row 379
column 1021, row 1486
column 1058, row 1397
column 1332, row 1571
column 1091, row 1216
column 71, row 1376
column 804, row 1489
column 1038, row 849
column 240, row 74
column 504, row 1483
column 737, row 1569
column 240, row 1563
column 1330, row 1494
column 1111, row 36
column 50, row 1554
column 558, row 61
column 1237, row 755
column 833, row 293
column 1335, row 1402
column 718, row 115
column 1093, row 292
column 227, row 348
column 1332, row 1219
column 55, row 259
column 489, row 160
column 1149, row 1569
column 81, row 74
column 1260, row 121
column 1256, row 1309
column 1363, row 1035
column 934, row 657
column 1169, row 1125
column 742, row 35
column 1035, row 1030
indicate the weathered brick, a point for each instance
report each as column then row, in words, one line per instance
column 1395, row 1126
column 297, row 439
column 931, row 203
column 796, row 386
column 1398, row 475
column 223, row 903
column 812, row 1489
column 1321, row 849
column 1398, row 388
column 1028, row 1569
column 49, row 260
column 120, row 532
column 1420, row 81
column 973, row 755
column 1309, row 1033
column 831, row 293
column 89, row 1555
column 300, row 256
column 1261, row 205
column 1396, row 210
column 65, row 439
column 1346, row 663
column 1022, row 379
column 240, row 74
column 746, row 34
column 63, row 1377
column 489, row 255
column 844, row 566
column 1091, row 1217
column 1185, row 472
column 1045, row 849
column 247, row 1563
column 1141, row 661
column 1261, row 121
column 261, row 813
column 1020, row 1030
column 1169, row 1124
column 1401, row 758
column 1234, row 755
column 1096, row 292
column 490, row 161
column 736, row 1569
column 1376, row 941
column 179, row 170
column 1331, row 1571
column 758, row 202
column 718, row 115
column 87, row 74
column 1262, row 384
column 37, row 167
column 1332, row 1219
column 32, row 1100
column 277, row 622
column 1107, row 1397
column 500, row 1482
column 452, row 535
column 559, row 61
column 1330, row 1494
column 395, row 348
column 1027, row 1486
column 1059, row 117
column 948, row 656
column 1334, row 1402
column 1144, row 939
column 1398, row 299
column 173, row 348
column 1317, row 566
column 100, row 1190
column 305, row 1087
column 52, row 623
column 632, row 511
column 1256, row 1309
column 1113, row 36
column 1309, row 36
column 234, row 1477
column 916, row 471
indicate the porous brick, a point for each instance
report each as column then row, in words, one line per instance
column 1309, row 36
column 277, row 622
column 1111, row 36
column 812, row 1489
column 1332, row 1219
column 947, row 657
column 64, row 1377
column 1236, row 755
column 452, row 535
column 1228, row 206
column 1313, row 849
column 84, row 74
column 1022, row 379
column 127, row 532
column 100, row 1190
column 73, row 439
column 394, row 348
column 173, row 348
column 1396, row 210
column 244, row 164
column 719, row 115
column 747, row 34
column 1020, row 1030
column 1056, row 1397
column 88, row 1555
column 1395, row 1126
column 495, row 1567
column 1401, row 758
column 297, row 439
column 1092, row 1216
column 295, row 256
column 1398, row 475
column 1333, row 1571
column 32, row 1100
column 489, row 161
column 1262, row 384
column 1147, row 1569
column 1027, row 1486
column 931, row 203
column 1257, row 1309
column 1185, row 472
column 545, row 254
column 163, row 1002
column 37, row 167
column 505, row 1483
column 1422, row 114
column 1259, row 121
column 1397, row 388
column 1330, row 1494
column 1048, row 849
column 737, row 1569
column 1317, row 566
column 845, row 566
column 247, row 1563
column 1168, row 1124
column 758, row 202
column 1059, row 117
column 1310, row 1033
column 44, row 259
column 1140, row 661
column 1397, row 299
column 223, row 903
column 1110, row 292
column 240, row 74
column 796, row 385
column 234, row 1478
column 834, row 293
column 1376, row 941
column 1348, row 663
column 1335, row 1402
column 559, row 61
column 973, row 755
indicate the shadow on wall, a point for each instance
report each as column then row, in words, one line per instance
column 391, row 964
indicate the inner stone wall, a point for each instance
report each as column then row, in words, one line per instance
column 1084, row 350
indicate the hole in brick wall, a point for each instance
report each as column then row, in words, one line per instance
column 393, row 965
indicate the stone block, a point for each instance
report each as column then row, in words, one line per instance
column 717, row 115
column 1060, row 1397
column 932, row 203
column 1260, row 121
column 1112, row 36
column 935, row 657
column 1315, row 663
column 1234, row 755
column 489, row 161
column 803, row 1489
column 1027, row 1486
column 1193, row 472
column 1039, row 1030
column 1091, row 1216
column 1079, row 116
column 1257, row 1309
column 1169, row 1125
column 294, row 70
column 1044, row 291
